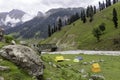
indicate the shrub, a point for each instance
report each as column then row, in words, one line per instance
column 102, row 27
column 97, row 33
column 8, row 38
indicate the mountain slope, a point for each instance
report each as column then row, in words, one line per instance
column 79, row 35
column 38, row 27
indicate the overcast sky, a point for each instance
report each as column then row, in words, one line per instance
column 33, row 6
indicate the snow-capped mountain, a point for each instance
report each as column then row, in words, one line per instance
column 13, row 18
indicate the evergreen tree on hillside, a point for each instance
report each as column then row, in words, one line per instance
column 74, row 18
column 115, row 1
column 59, row 24
column 49, row 31
column 97, row 33
column 52, row 30
column 100, row 6
column 54, row 27
column 102, row 27
column 94, row 9
column 115, row 19
column 77, row 16
column 103, row 5
column 83, row 16
column 87, row 11
column 91, row 13
column 107, row 3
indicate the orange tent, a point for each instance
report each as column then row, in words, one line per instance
column 96, row 67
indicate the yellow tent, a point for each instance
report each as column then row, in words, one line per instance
column 96, row 67
column 59, row 58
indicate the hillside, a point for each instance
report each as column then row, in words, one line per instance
column 79, row 35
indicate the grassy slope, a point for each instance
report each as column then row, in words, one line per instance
column 109, row 68
column 79, row 36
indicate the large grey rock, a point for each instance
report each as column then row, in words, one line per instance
column 1, row 78
column 4, row 68
column 97, row 77
column 25, row 58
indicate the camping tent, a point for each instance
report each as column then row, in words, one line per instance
column 59, row 58
column 96, row 67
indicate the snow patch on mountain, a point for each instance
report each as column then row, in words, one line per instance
column 11, row 21
column 27, row 17
column 13, row 18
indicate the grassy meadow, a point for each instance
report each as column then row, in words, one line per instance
column 69, row 70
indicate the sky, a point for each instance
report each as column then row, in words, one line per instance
column 33, row 6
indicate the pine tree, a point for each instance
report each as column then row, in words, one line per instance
column 103, row 5
column 100, row 6
column 77, row 16
column 91, row 13
column 94, row 9
column 52, row 30
column 55, row 28
column 49, row 31
column 107, row 3
column 87, row 11
column 83, row 16
column 97, row 33
column 59, row 24
column 115, row 19
column 115, row 1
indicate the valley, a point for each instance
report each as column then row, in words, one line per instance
column 67, row 42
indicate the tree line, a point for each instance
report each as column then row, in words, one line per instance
column 98, row 32
column 85, row 14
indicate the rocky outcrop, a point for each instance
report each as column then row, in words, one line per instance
column 1, row 78
column 25, row 58
column 4, row 68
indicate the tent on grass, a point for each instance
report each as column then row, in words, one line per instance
column 76, row 60
column 59, row 58
column 96, row 67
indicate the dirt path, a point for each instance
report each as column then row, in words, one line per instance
column 115, row 53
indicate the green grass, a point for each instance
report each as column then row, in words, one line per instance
column 69, row 70
column 79, row 36
column 2, row 44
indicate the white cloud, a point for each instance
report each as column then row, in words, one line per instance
column 33, row 6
